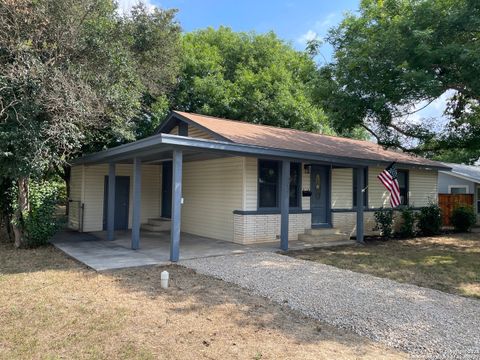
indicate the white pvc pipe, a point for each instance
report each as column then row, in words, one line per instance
column 164, row 279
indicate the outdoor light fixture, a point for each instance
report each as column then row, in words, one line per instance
column 306, row 168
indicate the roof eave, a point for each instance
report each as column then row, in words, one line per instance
column 167, row 142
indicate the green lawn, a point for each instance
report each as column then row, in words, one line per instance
column 448, row 263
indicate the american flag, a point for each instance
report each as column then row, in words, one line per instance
column 388, row 177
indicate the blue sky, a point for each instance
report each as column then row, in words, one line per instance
column 293, row 21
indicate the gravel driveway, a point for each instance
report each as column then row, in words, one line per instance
column 423, row 322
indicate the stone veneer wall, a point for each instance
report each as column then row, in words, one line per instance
column 258, row 228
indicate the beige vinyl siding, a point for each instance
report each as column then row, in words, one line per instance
column 305, row 186
column 199, row 133
column 75, row 200
column 342, row 188
column 194, row 132
column 250, row 183
column 212, row 190
column 94, row 193
column 423, row 187
column 378, row 196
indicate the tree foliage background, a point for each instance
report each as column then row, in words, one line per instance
column 76, row 76
column 253, row 77
column 396, row 54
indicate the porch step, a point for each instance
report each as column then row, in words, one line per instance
column 156, row 225
column 323, row 235
column 322, row 231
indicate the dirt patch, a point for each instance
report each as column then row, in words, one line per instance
column 448, row 263
column 52, row 307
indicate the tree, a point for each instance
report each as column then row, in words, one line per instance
column 248, row 76
column 73, row 77
column 397, row 54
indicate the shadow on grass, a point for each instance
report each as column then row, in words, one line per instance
column 190, row 294
column 447, row 263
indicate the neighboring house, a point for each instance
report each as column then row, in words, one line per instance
column 462, row 179
column 240, row 182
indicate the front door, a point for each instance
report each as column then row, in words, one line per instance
column 320, row 187
column 167, row 189
column 122, row 195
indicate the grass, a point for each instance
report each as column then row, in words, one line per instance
column 449, row 263
column 51, row 307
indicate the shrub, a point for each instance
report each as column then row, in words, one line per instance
column 463, row 218
column 430, row 220
column 40, row 222
column 384, row 222
column 407, row 228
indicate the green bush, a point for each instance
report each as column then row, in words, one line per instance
column 407, row 228
column 463, row 218
column 430, row 220
column 41, row 222
column 384, row 222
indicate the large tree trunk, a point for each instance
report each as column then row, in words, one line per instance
column 22, row 207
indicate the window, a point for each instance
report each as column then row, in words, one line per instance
column 402, row 177
column 269, row 184
column 458, row 189
column 295, row 185
column 365, row 193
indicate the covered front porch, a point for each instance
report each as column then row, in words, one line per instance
column 98, row 253
column 226, row 189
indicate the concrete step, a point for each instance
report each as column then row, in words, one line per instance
column 325, row 238
column 157, row 225
column 331, row 243
column 158, row 221
column 322, row 231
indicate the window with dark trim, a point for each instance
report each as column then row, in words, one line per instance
column 268, row 183
column 354, row 191
column 402, row 178
column 295, row 185
column 269, row 174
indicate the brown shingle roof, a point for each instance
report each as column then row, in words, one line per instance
column 280, row 138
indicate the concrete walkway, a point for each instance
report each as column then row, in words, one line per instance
column 423, row 322
column 95, row 251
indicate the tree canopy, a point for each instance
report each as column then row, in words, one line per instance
column 397, row 54
column 76, row 75
column 248, row 76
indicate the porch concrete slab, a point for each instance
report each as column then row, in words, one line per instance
column 95, row 251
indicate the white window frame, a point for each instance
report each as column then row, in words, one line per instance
column 458, row 186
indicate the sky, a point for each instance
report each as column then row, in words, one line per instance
column 293, row 21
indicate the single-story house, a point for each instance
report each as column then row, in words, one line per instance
column 462, row 179
column 240, row 182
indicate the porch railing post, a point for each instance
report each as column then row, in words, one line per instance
column 360, row 205
column 284, row 204
column 137, row 194
column 111, row 202
column 176, row 205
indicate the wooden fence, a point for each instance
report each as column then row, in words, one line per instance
column 448, row 202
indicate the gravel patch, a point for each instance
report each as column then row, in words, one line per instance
column 423, row 322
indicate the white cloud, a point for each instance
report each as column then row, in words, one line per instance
column 319, row 28
column 308, row 36
column 125, row 6
column 434, row 110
